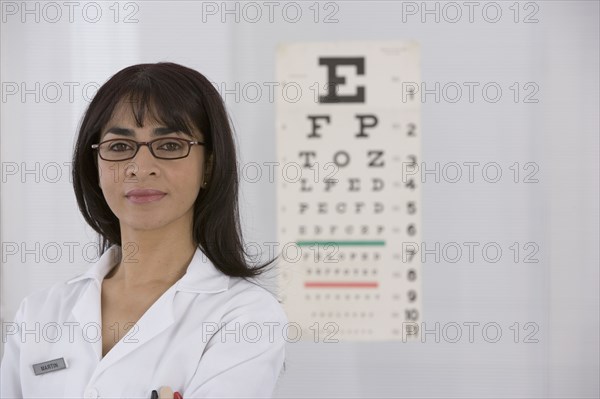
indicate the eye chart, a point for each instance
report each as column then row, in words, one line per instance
column 347, row 127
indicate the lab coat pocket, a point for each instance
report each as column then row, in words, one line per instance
column 47, row 369
column 51, row 378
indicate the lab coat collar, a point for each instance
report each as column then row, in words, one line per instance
column 201, row 275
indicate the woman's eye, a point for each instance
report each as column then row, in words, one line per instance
column 170, row 146
column 118, row 147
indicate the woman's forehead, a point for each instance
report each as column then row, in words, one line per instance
column 125, row 112
column 124, row 115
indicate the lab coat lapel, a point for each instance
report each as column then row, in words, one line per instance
column 87, row 313
column 87, row 309
column 201, row 277
column 156, row 319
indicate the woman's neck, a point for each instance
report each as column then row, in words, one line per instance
column 150, row 259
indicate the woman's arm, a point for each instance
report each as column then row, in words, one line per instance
column 10, row 379
column 245, row 356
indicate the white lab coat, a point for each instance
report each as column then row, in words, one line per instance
column 208, row 335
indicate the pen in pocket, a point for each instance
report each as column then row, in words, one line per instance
column 165, row 392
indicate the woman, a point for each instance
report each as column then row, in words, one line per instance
column 169, row 303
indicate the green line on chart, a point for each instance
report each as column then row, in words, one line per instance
column 342, row 243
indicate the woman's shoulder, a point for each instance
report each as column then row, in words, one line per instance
column 66, row 291
column 252, row 297
column 49, row 300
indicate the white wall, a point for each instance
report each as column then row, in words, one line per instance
column 559, row 213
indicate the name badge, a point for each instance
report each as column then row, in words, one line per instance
column 49, row 366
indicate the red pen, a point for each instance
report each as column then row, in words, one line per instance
column 177, row 395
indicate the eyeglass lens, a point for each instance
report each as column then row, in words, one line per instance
column 115, row 150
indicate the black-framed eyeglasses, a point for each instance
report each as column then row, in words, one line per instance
column 161, row 148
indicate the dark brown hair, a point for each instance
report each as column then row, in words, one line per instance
column 180, row 98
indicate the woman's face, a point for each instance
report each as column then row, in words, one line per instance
column 180, row 179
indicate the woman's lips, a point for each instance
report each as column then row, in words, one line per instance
column 142, row 196
column 143, row 199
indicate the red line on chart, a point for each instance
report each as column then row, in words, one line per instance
column 349, row 284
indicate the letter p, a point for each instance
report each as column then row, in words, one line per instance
column 9, row 8
column 409, row 90
column 9, row 248
column 209, row 328
column 9, row 88
column 11, row 328
column 209, row 8
column 409, row 169
column 409, row 8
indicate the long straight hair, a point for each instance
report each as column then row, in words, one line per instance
column 183, row 99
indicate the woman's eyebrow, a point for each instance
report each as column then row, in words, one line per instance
column 159, row 131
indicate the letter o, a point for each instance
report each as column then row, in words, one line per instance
column 346, row 156
column 45, row 174
column 298, row 92
column 85, row 15
column 298, row 172
column 84, row 252
column 458, row 89
column 58, row 12
column 84, row 90
column 45, row 252
column 58, row 332
column 496, row 166
column 458, row 332
column 285, row 332
column 257, row 255
column 56, row 87
column 258, row 172
column 285, row 252
column 298, row 12
column 498, row 12
column 458, row 12
column 486, row 97
column 458, row 172
column 484, row 252
column 258, row 92
column 498, row 332
column 258, row 12
column 84, row 330
column 458, row 252
column 258, row 332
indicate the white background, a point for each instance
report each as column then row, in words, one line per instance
column 559, row 294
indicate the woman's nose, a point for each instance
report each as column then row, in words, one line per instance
column 143, row 162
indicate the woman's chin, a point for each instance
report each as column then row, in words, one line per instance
column 142, row 225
